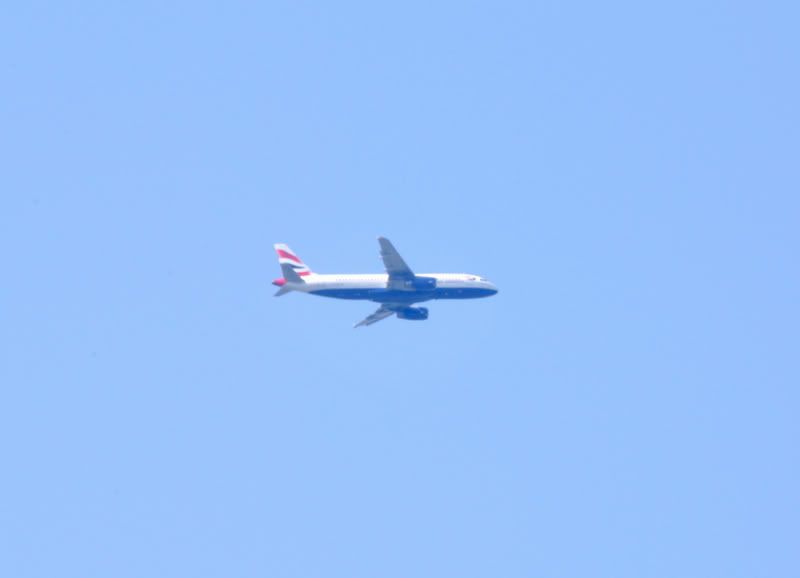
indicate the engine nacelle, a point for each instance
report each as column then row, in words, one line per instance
column 413, row 313
column 421, row 284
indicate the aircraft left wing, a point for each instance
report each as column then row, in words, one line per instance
column 382, row 313
column 396, row 267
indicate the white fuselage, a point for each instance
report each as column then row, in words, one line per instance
column 377, row 287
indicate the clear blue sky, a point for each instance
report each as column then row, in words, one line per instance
column 626, row 173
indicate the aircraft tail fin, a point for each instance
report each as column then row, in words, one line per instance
column 292, row 266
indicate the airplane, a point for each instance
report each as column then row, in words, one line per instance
column 396, row 290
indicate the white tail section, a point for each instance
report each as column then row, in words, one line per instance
column 291, row 265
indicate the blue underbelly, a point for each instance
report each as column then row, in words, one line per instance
column 394, row 296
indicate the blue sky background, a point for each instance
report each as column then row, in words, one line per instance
column 625, row 172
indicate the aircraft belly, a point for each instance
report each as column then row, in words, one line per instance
column 343, row 293
column 394, row 296
column 463, row 293
column 382, row 295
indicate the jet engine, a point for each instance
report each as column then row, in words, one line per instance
column 413, row 313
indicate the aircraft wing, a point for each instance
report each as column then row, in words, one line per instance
column 382, row 313
column 395, row 266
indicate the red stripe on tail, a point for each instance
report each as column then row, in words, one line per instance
column 284, row 254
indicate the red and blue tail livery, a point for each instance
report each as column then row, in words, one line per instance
column 396, row 290
column 290, row 263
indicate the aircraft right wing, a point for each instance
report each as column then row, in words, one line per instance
column 382, row 313
column 396, row 267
